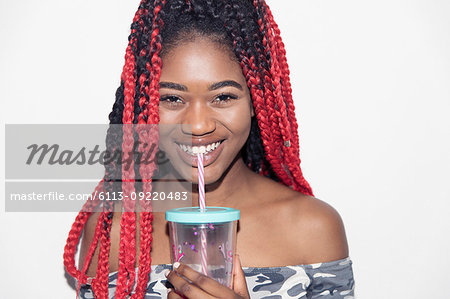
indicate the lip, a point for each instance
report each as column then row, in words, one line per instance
column 207, row 158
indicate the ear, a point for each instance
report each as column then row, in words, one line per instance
column 252, row 108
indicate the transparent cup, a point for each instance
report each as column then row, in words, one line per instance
column 216, row 226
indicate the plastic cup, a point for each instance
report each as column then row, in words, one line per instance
column 219, row 225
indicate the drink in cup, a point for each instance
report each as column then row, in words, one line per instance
column 205, row 240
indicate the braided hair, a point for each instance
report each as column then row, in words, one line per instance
column 248, row 29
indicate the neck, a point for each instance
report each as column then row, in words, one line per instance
column 224, row 192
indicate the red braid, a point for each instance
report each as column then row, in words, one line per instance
column 273, row 124
column 127, row 244
column 100, row 282
column 147, row 170
column 281, row 55
column 74, row 237
column 253, row 80
column 286, row 152
column 293, row 153
column 87, row 260
column 274, row 144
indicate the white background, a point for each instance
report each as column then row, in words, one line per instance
column 371, row 85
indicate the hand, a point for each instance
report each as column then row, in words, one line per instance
column 206, row 287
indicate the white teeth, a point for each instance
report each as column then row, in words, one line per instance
column 194, row 150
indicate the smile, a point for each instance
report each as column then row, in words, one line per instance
column 203, row 149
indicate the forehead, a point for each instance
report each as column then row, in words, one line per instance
column 200, row 60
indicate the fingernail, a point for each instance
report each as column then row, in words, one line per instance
column 176, row 265
column 166, row 272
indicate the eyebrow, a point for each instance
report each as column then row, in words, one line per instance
column 213, row 86
column 172, row 85
column 225, row 83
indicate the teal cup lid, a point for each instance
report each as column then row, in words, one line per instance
column 209, row 215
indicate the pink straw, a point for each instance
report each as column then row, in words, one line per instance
column 201, row 181
column 201, row 200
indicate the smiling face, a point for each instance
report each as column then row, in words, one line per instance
column 203, row 89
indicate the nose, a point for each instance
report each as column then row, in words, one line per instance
column 198, row 120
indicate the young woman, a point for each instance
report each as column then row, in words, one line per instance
column 219, row 70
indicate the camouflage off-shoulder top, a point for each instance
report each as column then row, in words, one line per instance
column 332, row 280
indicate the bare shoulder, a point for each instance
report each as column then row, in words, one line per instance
column 312, row 230
column 317, row 230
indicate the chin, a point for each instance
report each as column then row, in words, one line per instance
column 186, row 167
column 211, row 176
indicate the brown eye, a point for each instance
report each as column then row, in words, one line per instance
column 225, row 98
column 171, row 101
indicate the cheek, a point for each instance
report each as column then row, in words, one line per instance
column 164, row 134
column 167, row 125
column 167, row 129
column 167, row 117
column 238, row 121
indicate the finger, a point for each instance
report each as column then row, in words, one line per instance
column 239, row 282
column 171, row 294
column 206, row 283
column 183, row 287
